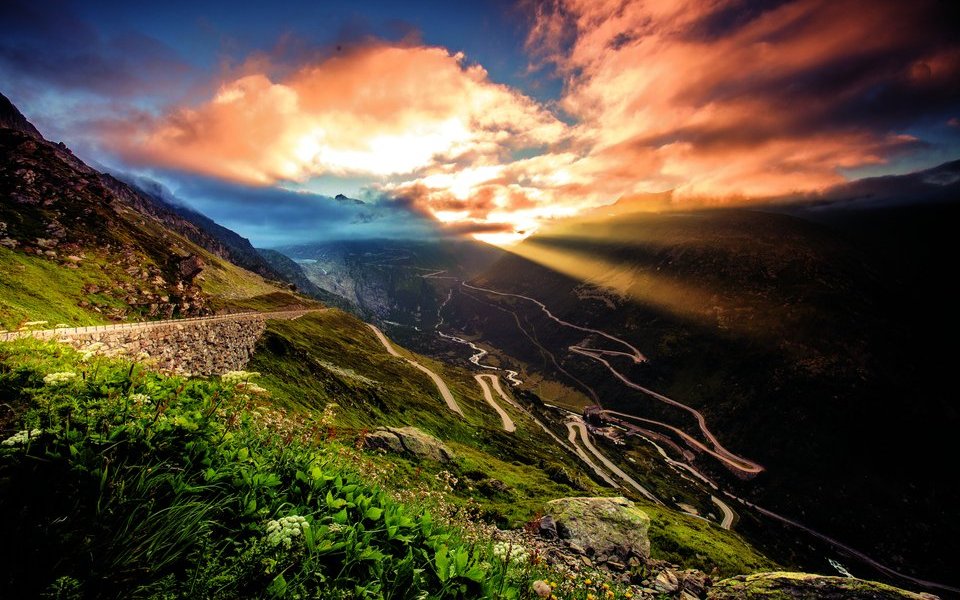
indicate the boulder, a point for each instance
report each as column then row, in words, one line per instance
column 610, row 527
column 784, row 585
column 547, row 527
column 408, row 440
column 190, row 266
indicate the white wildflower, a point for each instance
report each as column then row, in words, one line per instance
column 515, row 553
column 251, row 388
column 139, row 399
column 94, row 349
column 284, row 530
column 61, row 378
column 235, row 377
column 21, row 437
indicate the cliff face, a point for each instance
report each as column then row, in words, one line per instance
column 12, row 118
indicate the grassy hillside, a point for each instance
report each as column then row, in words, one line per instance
column 118, row 482
column 333, row 358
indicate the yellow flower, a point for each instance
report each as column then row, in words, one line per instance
column 628, row 595
column 591, row 597
column 587, row 581
column 606, row 586
column 609, row 594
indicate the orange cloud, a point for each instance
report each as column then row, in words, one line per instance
column 727, row 99
column 379, row 110
column 717, row 102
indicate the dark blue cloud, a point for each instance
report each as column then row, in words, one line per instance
column 272, row 217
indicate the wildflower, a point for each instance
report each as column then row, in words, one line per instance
column 628, row 594
column 61, row 378
column 591, row 597
column 283, row 531
column 609, row 594
column 21, row 437
column 513, row 552
column 252, row 388
column 606, row 586
column 139, row 399
column 541, row 588
column 588, row 581
column 235, row 377
column 94, row 349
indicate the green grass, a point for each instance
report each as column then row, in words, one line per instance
column 36, row 289
column 133, row 484
column 141, row 485
column 692, row 542
column 332, row 357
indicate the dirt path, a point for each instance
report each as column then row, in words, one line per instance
column 508, row 424
column 437, row 380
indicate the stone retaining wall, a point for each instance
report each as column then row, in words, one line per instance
column 199, row 346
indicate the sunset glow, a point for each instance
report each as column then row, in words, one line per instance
column 716, row 103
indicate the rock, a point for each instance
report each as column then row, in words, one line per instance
column 695, row 582
column 616, row 566
column 611, row 527
column 408, row 440
column 685, row 595
column 190, row 266
column 784, row 585
column 547, row 527
column 666, row 582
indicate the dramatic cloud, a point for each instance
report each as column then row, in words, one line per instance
column 717, row 102
column 741, row 99
column 377, row 110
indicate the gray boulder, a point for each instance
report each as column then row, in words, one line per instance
column 607, row 528
column 410, row 441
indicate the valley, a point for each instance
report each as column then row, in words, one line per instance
column 555, row 342
column 725, row 385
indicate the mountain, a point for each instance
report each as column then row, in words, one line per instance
column 400, row 281
column 810, row 339
column 341, row 464
column 89, row 248
column 201, row 229
column 11, row 118
column 288, row 270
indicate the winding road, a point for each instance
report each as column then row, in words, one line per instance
column 508, row 424
column 576, row 423
column 437, row 380
column 728, row 514
column 731, row 460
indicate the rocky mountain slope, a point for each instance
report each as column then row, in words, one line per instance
column 104, row 250
column 392, row 280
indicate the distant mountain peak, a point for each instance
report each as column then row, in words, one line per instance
column 12, row 118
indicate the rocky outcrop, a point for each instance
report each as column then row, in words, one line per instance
column 606, row 528
column 410, row 441
column 786, row 586
column 12, row 118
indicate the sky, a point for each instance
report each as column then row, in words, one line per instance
column 490, row 118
